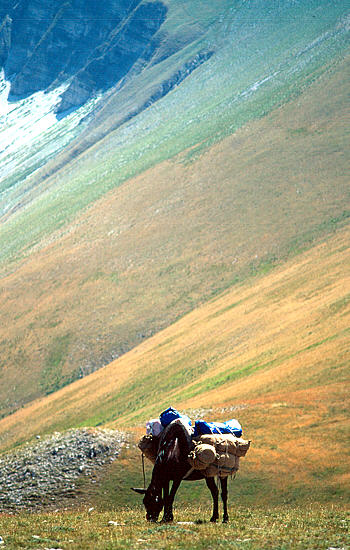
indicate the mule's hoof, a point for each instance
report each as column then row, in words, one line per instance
column 225, row 520
column 167, row 520
column 213, row 520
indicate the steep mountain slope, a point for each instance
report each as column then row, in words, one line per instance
column 70, row 58
column 273, row 351
column 88, row 45
column 91, row 267
column 262, row 55
column 172, row 238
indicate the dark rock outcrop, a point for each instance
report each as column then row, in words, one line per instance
column 90, row 44
column 131, row 42
column 5, row 38
column 164, row 87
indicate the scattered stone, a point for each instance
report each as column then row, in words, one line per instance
column 115, row 523
column 197, row 414
column 40, row 474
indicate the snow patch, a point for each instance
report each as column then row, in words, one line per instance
column 254, row 87
column 23, row 123
column 30, row 134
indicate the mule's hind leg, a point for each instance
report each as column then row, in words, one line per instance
column 223, row 483
column 210, row 481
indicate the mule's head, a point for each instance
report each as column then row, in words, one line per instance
column 152, row 501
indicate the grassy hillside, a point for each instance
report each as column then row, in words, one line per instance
column 273, row 351
column 28, row 125
column 199, row 253
column 172, row 238
column 263, row 56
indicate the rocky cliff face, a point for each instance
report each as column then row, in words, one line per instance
column 88, row 44
column 5, row 38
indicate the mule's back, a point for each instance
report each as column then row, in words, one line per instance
column 174, row 447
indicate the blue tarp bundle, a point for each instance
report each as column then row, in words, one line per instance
column 201, row 426
column 229, row 427
column 171, row 414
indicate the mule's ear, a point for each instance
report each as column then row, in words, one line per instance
column 138, row 490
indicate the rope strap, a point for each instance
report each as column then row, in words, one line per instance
column 188, row 473
column 143, row 470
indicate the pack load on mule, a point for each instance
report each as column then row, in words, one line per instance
column 216, row 447
column 181, row 451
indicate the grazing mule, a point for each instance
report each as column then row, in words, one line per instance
column 172, row 465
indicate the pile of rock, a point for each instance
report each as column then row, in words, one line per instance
column 46, row 472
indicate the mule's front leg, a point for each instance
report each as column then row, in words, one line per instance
column 215, row 495
column 168, row 502
column 223, row 483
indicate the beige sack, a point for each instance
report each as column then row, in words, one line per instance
column 148, row 444
column 223, row 459
column 243, row 446
column 201, row 456
column 226, row 461
column 226, row 443
column 224, row 466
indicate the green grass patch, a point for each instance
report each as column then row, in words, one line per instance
column 253, row 528
column 114, row 277
column 299, row 131
column 306, row 239
column 228, row 376
column 134, row 395
column 51, row 377
column 340, row 306
column 328, row 472
column 264, row 266
column 226, row 309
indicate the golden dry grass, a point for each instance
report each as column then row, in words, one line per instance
column 276, row 347
column 170, row 239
